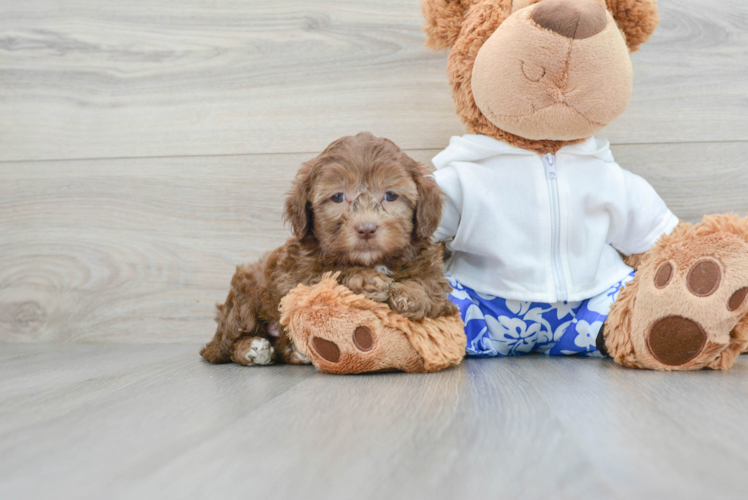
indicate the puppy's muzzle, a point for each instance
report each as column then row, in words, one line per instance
column 366, row 230
column 366, row 208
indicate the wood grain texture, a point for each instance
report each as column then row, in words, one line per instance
column 157, row 422
column 84, row 79
column 140, row 250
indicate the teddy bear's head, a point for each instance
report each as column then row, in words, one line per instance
column 539, row 74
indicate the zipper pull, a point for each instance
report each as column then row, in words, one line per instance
column 549, row 161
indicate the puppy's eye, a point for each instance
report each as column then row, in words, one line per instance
column 338, row 197
column 390, row 196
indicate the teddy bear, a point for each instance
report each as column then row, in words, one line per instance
column 555, row 248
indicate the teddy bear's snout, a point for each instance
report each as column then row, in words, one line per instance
column 575, row 19
column 555, row 70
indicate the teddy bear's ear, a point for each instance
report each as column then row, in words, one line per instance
column 443, row 21
column 636, row 18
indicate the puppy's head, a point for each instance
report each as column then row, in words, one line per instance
column 364, row 200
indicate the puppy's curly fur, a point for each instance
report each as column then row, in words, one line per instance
column 362, row 208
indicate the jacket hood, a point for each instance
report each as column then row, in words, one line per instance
column 472, row 147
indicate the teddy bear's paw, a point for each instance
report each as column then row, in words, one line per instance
column 364, row 348
column 254, row 351
column 342, row 332
column 352, row 340
column 362, row 340
column 691, row 297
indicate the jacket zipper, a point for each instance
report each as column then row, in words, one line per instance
column 551, row 178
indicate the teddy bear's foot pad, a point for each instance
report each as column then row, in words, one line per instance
column 329, row 351
column 353, row 341
column 690, row 300
column 675, row 340
column 707, row 302
column 362, row 337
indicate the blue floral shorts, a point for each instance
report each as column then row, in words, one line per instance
column 498, row 327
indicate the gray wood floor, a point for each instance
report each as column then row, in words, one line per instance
column 135, row 421
column 145, row 148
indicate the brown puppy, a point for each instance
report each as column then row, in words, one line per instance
column 362, row 208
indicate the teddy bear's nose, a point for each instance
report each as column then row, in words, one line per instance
column 575, row 19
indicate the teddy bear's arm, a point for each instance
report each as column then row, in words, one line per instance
column 636, row 260
column 639, row 219
column 451, row 186
column 449, row 223
column 639, row 259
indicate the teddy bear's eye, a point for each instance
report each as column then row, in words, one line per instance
column 534, row 73
column 390, row 196
column 338, row 197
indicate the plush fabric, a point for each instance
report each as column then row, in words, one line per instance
column 637, row 20
column 711, row 327
column 444, row 21
column 327, row 323
column 528, row 81
column 516, row 81
column 576, row 21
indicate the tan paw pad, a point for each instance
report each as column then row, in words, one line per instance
column 736, row 299
column 704, row 278
column 689, row 299
column 664, row 273
column 329, row 351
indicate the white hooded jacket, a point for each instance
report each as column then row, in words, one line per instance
column 543, row 228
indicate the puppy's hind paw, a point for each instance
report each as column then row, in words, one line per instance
column 254, row 351
column 293, row 357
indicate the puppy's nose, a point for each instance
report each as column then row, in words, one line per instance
column 366, row 230
column 575, row 19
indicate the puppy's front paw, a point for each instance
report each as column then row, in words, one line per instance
column 405, row 303
column 373, row 285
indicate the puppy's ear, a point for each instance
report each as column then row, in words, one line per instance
column 428, row 212
column 298, row 211
column 443, row 21
column 637, row 19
